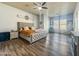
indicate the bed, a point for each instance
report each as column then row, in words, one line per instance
column 30, row 35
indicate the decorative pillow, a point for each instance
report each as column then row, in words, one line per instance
column 33, row 28
column 23, row 28
column 20, row 29
column 26, row 28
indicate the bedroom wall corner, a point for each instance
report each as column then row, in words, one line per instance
column 9, row 19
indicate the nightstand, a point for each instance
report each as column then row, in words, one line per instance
column 13, row 34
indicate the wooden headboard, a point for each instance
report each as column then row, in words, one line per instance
column 24, row 24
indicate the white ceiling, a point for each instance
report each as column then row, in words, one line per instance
column 54, row 8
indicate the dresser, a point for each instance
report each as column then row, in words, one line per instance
column 13, row 34
column 76, row 43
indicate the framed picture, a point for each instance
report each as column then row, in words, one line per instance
column 26, row 17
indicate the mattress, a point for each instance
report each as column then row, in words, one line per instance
column 39, row 34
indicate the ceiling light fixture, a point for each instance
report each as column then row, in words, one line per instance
column 40, row 8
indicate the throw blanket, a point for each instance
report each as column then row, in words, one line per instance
column 26, row 32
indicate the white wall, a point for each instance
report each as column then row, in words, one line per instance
column 9, row 19
column 76, row 18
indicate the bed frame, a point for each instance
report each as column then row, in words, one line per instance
column 24, row 24
column 32, row 38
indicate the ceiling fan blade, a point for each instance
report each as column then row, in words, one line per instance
column 35, row 4
column 44, row 7
column 43, row 3
column 34, row 8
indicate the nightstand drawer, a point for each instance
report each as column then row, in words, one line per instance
column 13, row 35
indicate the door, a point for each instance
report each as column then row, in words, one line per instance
column 63, row 25
column 60, row 25
column 56, row 25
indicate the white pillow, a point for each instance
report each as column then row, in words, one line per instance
column 33, row 28
column 26, row 28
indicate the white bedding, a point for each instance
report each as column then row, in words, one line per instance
column 39, row 34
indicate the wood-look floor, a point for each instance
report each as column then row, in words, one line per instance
column 54, row 45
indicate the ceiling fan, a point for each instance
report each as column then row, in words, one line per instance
column 40, row 5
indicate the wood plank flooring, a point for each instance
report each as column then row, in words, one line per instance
column 54, row 45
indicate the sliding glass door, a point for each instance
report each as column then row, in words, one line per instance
column 63, row 25
column 56, row 25
column 59, row 24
